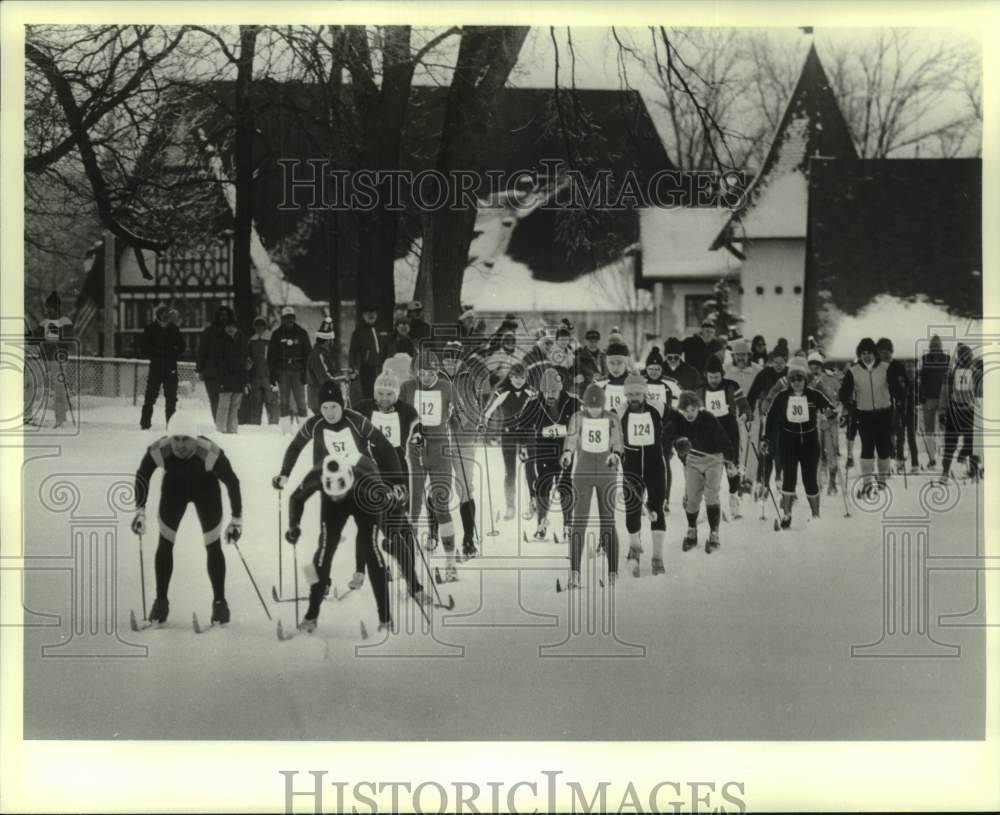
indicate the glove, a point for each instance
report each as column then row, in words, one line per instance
column 612, row 460
column 399, row 495
column 139, row 522
column 417, row 441
column 279, row 481
column 274, row 387
column 763, row 447
column 523, row 454
column 234, row 530
column 843, row 420
column 731, row 469
column 566, row 460
column 682, row 445
column 292, row 535
column 246, row 390
column 578, row 378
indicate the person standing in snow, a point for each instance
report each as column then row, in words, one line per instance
column 959, row 400
column 507, row 403
column 685, row 375
column 698, row 347
column 368, row 349
column 261, row 395
column 591, row 363
column 827, row 424
column 931, row 376
column 321, row 365
column 286, row 357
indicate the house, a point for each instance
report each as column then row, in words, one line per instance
column 768, row 232
column 894, row 249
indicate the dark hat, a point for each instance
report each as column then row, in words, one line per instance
column 593, row 396
column 713, row 365
column 330, row 391
column 654, row 357
column 779, row 351
column 563, row 332
column 866, row 344
column 592, row 334
column 259, row 321
column 617, row 349
column 518, row 369
column 884, row 344
column 688, row 399
column 673, row 346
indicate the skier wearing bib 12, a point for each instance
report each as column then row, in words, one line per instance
column 792, row 417
column 724, row 399
column 643, row 470
column 192, row 468
column 618, row 369
column 593, row 448
column 703, row 447
column 545, row 420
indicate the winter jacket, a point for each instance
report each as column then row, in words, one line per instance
column 686, row 375
column 706, row 434
column 697, row 351
column 760, row 390
column 162, row 345
column 369, row 346
column 796, row 416
column 288, row 351
column 641, row 435
column 229, row 360
column 933, row 372
column 257, row 349
column 547, row 427
column 591, row 365
column 868, row 389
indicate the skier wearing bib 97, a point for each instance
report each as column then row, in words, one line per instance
column 724, row 399
column 643, row 471
column 792, row 417
column 593, row 448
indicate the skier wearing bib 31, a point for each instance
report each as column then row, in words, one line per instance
column 192, row 467
column 724, row 399
column 593, row 448
column 643, row 470
column 703, row 447
column 792, row 417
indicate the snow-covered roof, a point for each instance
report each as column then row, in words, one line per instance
column 675, row 243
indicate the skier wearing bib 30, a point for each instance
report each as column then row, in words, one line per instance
column 192, row 467
column 792, row 417
column 593, row 448
column 643, row 470
column 724, row 399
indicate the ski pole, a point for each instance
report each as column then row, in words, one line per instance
column 142, row 578
column 489, row 491
column 847, row 511
column 295, row 570
column 281, row 559
column 430, row 578
column 465, row 480
column 254, row 582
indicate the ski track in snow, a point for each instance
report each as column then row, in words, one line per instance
column 751, row 642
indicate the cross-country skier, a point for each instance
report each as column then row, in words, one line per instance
column 193, row 467
column 545, row 419
column 703, row 447
column 792, row 417
column 827, row 383
column 661, row 390
column 958, row 402
column 758, row 399
column 593, row 448
column 507, row 403
column 903, row 410
column 931, row 376
column 687, row 377
column 724, row 399
column 618, row 368
column 643, row 472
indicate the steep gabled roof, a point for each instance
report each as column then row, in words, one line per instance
column 812, row 125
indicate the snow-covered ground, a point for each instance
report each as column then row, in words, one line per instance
column 753, row 642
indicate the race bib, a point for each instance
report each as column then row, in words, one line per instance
column 341, row 445
column 614, row 398
column 595, row 434
column 429, row 407
column 640, row 430
column 388, row 425
column 963, row 380
column 554, row 431
column 797, row 410
column 656, row 395
column 716, row 404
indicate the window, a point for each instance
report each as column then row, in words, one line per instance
column 778, row 289
column 694, row 309
column 742, row 290
column 797, row 290
column 760, row 290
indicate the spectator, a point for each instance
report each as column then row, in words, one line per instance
column 758, row 351
column 698, row 347
column 322, row 364
column 930, row 378
column 591, row 362
column 470, row 325
column 286, row 359
column 401, row 342
column 368, row 349
column 229, row 353
column 161, row 344
column 683, row 373
column 419, row 330
column 205, row 365
column 261, row 395
column 55, row 332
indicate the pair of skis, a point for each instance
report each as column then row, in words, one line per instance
column 135, row 625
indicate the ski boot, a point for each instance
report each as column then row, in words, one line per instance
column 713, row 542
column 633, row 555
column 308, row 625
column 612, row 578
column 430, row 543
column 450, row 573
column 542, row 532
column 831, row 487
column 532, row 509
column 385, row 625
column 422, row 598
column 850, row 461
column 574, row 580
column 509, row 512
column 734, row 506
column 357, row 581
column 657, row 566
column 690, row 540
column 220, row 612
column 158, row 613
column 814, row 505
column 469, row 549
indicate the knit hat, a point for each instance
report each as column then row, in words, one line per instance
column 426, row 360
column 563, row 332
column 741, row 347
column 713, row 365
column 884, row 344
column 182, row 423
column 330, row 391
column 260, row 321
column 517, row 369
column 416, row 305
column 593, row 396
column 635, row 385
column 866, row 344
column 673, row 346
column 551, row 384
column 654, row 358
column 798, row 366
column 288, row 311
column 387, row 381
column 617, row 349
column 779, row 351
column 592, row 334
column 815, row 357
column 326, row 331
column 688, row 399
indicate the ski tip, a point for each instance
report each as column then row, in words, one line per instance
column 364, row 631
column 132, row 621
column 194, row 622
column 777, row 526
column 333, row 591
column 274, row 595
column 437, row 576
column 600, row 582
column 555, row 538
column 558, row 585
column 524, row 536
column 451, row 602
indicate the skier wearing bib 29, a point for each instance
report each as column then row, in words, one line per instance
column 724, row 399
column 792, row 418
column 593, row 448
column 192, row 468
column 643, row 470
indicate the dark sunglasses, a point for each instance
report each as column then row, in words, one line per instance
column 672, row 357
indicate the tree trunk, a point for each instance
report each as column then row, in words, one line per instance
column 242, row 271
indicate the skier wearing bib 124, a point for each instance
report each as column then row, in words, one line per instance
column 643, row 471
column 724, row 399
column 593, row 448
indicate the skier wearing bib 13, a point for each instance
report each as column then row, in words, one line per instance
column 593, row 448
column 792, row 418
column 724, row 399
